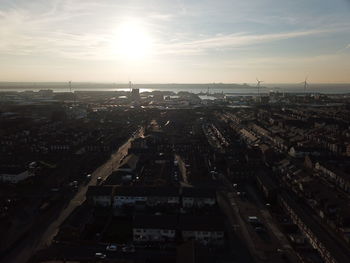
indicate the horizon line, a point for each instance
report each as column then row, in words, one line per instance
column 165, row 83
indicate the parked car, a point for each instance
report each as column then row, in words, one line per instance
column 100, row 255
column 111, row 247
column 99, row 180
column 128, row 249
column 260, row 229
column 253, row 219
column 88, row 178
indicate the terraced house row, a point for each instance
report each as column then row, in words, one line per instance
column 123, row 196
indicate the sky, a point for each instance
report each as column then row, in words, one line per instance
column 175, row 41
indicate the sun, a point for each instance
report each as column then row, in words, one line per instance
column 133, row 42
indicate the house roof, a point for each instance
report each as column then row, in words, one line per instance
column 118, row 177
column 307, row 149
column 100, row 190
column 198, row 192
column 129, row 162
column 264, row 148
column 266, row 181
column 201, row 223
column 193, row 252
column 155, row 222
column 12, row 170
column 339, row 251
column 146, row 191
column 337, row 169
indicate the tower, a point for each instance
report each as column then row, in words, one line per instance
column 135, row 95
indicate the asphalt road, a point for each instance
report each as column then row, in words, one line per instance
column 271, row 225
column 41, row 236
column 229, row 206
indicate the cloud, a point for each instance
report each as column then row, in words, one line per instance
column 30, row 32
column 84, row 30
column 237, row 40
column 343, row 49
column 162, row 17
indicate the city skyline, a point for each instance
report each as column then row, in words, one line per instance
column 175, row 41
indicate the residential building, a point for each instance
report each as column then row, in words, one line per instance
column 100, row 195
column 198, row 197
column 207, row 230
column 153, row 228
column 15, row 175
column 150, row 196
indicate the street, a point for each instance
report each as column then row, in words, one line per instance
column 261, row 243
column 42, row 236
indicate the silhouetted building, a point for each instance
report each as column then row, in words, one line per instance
column 135, row 95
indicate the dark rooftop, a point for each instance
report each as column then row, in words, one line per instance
column 146, row 191
column 198, row 192
column 201, row 223
column 155, row 222
column 99, row 190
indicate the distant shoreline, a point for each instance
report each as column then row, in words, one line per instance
column 330, row 88
column 60, row 83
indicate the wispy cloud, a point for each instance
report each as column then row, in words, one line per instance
column 343, row 49
column 26, row 32
column 218, row 33
column 162, row 17
column 64, row 29
column 37, row 37
column 236, row 40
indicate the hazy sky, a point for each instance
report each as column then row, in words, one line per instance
column 181, row 41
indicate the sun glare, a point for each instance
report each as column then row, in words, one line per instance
column 133, row 41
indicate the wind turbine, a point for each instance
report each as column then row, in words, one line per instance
column 258, row 85
column 306, row 85
column 130, row 85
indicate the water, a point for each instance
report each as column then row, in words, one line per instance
column 193, row 88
